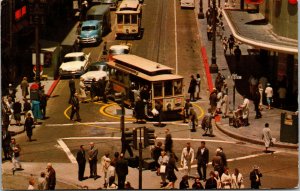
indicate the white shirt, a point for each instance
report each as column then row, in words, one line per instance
column 187, row 157
column 269, row 92
column 30, row 187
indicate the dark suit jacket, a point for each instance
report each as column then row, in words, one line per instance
column 122, row 167
column 255, row 184
column 93, row 153
column 81, row 157
column 202, row 158
column 52, row 177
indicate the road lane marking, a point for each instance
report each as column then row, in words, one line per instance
column 67, row 150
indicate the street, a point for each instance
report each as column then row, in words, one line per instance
column 170, row 37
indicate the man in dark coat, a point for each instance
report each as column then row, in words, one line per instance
column 255, row 176
column 17, row 108
column 202, row 158
column 43, row 102
column 122, row 171
column 168, row 141
column 6, row 138
column 139, row 110
column 75, row 107
column 28, row 126
column 213, row 101
column 256, row 100
column 93, row 158
column 81, row 163
column 156, row 152
column 72, row 87
column 51, row 177
column 101, row 85
column 192, row 88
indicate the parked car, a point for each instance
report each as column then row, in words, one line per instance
column 96, row 70
column 112, row 3
column 90, row 32
column 74, row 63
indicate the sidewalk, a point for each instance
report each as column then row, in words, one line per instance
column 49, row 86
column 252, row 133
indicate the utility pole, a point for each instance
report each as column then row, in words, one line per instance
column 122, row 123
column 214, row 67
column 140, row 161
column 201, row 14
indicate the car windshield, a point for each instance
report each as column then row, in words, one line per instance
column 97, row 68
column 88, row 28
column 76, row 58
column 118, row 51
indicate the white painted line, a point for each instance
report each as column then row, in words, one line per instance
column 67, row 151
column 176, row 56
column 158, row 138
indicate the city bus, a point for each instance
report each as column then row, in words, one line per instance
column 187, row 4
column 163, row 86
column 128, row 19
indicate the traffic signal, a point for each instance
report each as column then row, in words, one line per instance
column 130, row 138
column 149, row 136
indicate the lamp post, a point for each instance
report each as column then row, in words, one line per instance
column 200, row 14
column 213, row 67
column 36, row 17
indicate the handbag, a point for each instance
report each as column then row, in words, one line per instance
column 162, row 169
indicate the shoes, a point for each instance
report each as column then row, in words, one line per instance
column 91, row 176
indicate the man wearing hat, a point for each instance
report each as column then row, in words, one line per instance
column 255, row 176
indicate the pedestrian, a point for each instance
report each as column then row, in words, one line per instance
column 6, row 139
column 269, row 95
column 17, row 108
column 93, row 158
column 171, row 167
column 82, row 93
column 145, row 97
column 237, row 180
column 168, row 141
column 253, row 83
column 15, row 150
column 237, row 53
column 206, row 123
column 113, row 164
column 51, row 177
column 80, row 158
column 122, row 171
column 218, row 164
column 245, row 110
column 111, row 184
column 139, row 111
column 36, row 110
column 256, row 101
column 219, row 81
column 42, row 182
column 197, row 184
column 72, row 87
column 218, row 180
column 192, row 88
column 12, row 92
column 213, row 101
column 219, row 102
column 83, row 10
column 107, row 90
column 202, row 157
column 75, row 107
column 261, row 90
column 231, row 42
column 163, row 160
column 93, row 90
column 198, row 86
column 211, row 183
column 184, row 183
column 159, row 109
column 105, row 163
column 187, row 158
column 31, row 183
column 26, row 107
column 186, row 110
column 267, row 137
column 127, row 147
column 220, row 152
column 155, row 153
column 28, row 126
column 255, row 176
column 24, row 87
column 282, row 96
column 193, row 120
column 226, row 179
column 225, row 101
column 43, row 102
column 225, row 44
column 5, row 114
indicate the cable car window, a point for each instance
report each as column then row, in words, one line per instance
column 168, row 88
column 157, row 89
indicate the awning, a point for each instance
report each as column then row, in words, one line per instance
column 252, row 29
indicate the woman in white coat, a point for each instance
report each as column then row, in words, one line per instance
column 266, row 136
column 226, row 179
column 237, row 180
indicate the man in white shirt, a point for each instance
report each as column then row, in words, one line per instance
column 269, row 95
column 187, row 158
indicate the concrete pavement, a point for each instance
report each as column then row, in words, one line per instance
column 252, row 133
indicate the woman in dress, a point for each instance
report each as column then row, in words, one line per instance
column 237, row 180
column 163, row 160
column 171, row 166
column 226, row 179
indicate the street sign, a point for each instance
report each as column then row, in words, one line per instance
column 235, row 77
column 41, row 59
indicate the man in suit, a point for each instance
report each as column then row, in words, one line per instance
column 72, row 87
column 75, row 107
column 122, row 171
column 202, row 158
column 93, row 154
column 255, row 176
column 51, row 177
column 81, row 163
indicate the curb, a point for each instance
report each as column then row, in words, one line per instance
column 52, row 87
column 233, row 135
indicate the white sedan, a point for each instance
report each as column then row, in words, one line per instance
column 97, row 71
column 74, row 63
